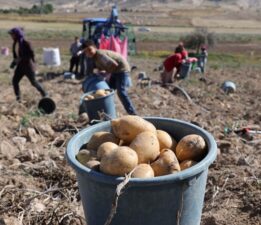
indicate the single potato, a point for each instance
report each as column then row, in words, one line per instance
column 93, row 165
column 191, row 147
column 99, row 93
column 147, row 147
column 84, row 156
column 128, row 127
column 143, row 171
column 165, row 140
column 187, row 164
column 105, row 149
column 167, row 163
column 101, row 137
column 119, row 162
column 89, row 97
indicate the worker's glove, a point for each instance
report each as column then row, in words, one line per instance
column 13, row 64
column 79, row 53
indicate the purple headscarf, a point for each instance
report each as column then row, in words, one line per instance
column 18, row 32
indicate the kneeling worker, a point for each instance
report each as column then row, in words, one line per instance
column 113, row 63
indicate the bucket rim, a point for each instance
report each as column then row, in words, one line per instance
column 182, row 175
column 90, row 92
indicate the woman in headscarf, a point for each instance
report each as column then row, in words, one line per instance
column 23, row 62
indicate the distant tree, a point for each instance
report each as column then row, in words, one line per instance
column 199, row 37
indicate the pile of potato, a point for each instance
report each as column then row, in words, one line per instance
column 97, row 94
column 136, row 145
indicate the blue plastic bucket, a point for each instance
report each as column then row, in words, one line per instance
column 184, row 70
column 175, row 199
column 95, row 106
column 93, row 83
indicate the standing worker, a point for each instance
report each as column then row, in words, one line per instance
column 75, row 59
column 113, row 63
column 23, row 62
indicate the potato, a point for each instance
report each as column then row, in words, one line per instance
column 119, row 162
column 186, row 164
column 88, row 97
column 167, row 163
column 107, row 92
column 191, row 147
column 99, row 138
column 105, row 149
column 165, row 140
column 99, row 93
column 84, row 156
column 93, row 165
column 143, row 171
column 147, row 147
column 128, row 127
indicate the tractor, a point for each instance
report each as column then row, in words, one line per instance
column 94, row 28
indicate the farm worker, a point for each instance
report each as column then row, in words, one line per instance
column 203, row 58
column 113, row 63
column 23, row 62
column 184, row 52
column 171, row 66
column 75, row 59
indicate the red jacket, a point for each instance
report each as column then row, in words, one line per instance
column 172, row 61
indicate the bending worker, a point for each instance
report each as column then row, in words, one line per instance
column 23, row 62
column 113, row 63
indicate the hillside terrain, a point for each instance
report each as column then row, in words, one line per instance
column 137, row 4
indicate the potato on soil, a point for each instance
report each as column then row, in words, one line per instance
column 93, row 165
column 167, row 163
column 191, row 147
column 99, row 138
column 187, row 164
column 119, row 162
column 128, row 127
column 146, row 145
column 105, row 149
column 143, row 171
column 165, row 140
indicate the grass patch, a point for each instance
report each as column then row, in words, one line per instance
column 215, row 60
column 157, row 36
column 233, row 60
column 154, row 54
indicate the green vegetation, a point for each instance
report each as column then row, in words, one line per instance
column 215, row 60
column 25, row 120
column 200, row 37
column 35, row 9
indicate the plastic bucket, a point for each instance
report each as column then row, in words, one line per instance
column 184, row 70
column 175, row 199
column 46, row 105
column 228, row 87
column 93, row 83
column 95, row 106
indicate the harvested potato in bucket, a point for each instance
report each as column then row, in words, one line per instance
column 97, row 94
column 135, row 145
column 191, row 147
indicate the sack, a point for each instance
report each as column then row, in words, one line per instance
column 51, row 57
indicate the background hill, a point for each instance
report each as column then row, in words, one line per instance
column 137, row 4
